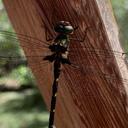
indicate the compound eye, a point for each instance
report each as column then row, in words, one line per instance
column 61, row 26
column 69, row 27
column 67, row 22
column 62, row 22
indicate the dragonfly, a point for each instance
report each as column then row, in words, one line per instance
column 60, row 54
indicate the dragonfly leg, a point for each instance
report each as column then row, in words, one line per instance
column 75, row 28
column 47, row 35
column 85, row 33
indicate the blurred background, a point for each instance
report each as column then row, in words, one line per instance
column 21, row 105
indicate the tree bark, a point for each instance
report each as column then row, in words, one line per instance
column 89, row 100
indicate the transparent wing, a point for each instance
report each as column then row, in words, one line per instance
column 93, row 81
column 7, row 36
column 11, row 54
column 90, row 57
column 94, row 70
column 93, row 64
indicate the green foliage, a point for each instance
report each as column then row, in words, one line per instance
column 9, row 46
column 22, row 75
column 121, row 12
column 4, row 22
column 22, row 110
column 17, row 110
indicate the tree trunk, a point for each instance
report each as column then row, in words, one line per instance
column 98, row 97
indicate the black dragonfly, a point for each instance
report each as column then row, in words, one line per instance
column 60, row 52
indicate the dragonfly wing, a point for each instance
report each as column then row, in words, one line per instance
column 88, row 62
column 11, row 55
column 93, row 81
column 9, row 40
column 9, row 44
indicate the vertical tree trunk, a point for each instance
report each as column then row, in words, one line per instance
column 90, row 100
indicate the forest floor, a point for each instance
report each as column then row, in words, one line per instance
column 23, row 109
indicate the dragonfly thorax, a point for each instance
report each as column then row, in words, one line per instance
column 62, row 40
column 57, row 48
column 60, row 53
column 61, row 44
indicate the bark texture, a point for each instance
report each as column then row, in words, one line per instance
column 96, row 98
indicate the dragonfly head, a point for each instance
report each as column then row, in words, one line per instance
column 64, row 27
